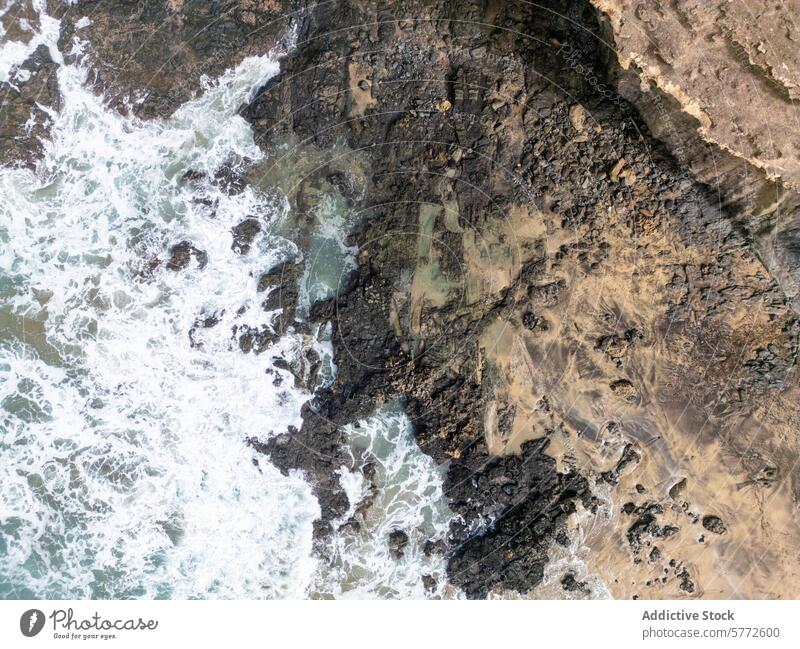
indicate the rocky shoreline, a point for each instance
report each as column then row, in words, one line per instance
column 576, row 325
column 470, row 135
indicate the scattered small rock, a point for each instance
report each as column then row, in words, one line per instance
column 686, row 584
column 571, row 585
column 433, row 547
column 624, row 388
column 398, row 540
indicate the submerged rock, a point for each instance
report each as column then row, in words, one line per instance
column 398, row 540
column 181, row 255
column 244, row 234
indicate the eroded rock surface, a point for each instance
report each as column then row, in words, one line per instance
column 718, row 83
column 592, row 343
column 557, row 302
column 733, row 67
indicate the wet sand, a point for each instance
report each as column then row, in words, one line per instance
column 614, row 370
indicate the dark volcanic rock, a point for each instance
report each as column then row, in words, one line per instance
column 464, row 126
column 318, row 449
column 281, row 284
column 398, row 540
column 180, row 255
column 204, row 321
column 254, row 339
column 244, row 234
column 531, row 265
column 714, row 524
column 33, row 87
column 526, row 502
column 629, row 456
column 159, row 64
column 646, row 525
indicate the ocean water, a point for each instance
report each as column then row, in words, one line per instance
column 124, row 468
column 392, row 486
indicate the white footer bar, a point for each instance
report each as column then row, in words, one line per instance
column 489, row 624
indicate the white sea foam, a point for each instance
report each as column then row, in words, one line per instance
column 575, row 557
column 407, row 498
column 124, row 466
column 124, row 470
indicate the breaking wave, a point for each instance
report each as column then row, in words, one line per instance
column 124, row 466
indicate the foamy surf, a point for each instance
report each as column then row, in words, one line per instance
column 123, row 459
column 14, row 53
column 124, row 467
column 393, row 488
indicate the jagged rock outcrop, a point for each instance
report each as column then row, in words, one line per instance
column 544, row 287
column 26, row 100
column 718, row 82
